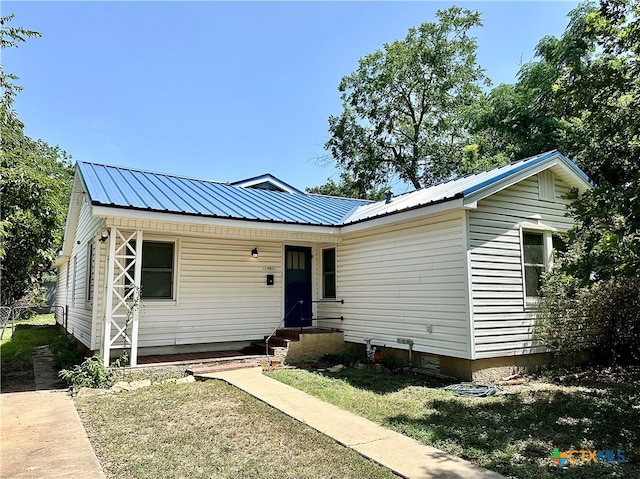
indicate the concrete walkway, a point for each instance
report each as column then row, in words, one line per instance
column 41, row 433
column 399, row 453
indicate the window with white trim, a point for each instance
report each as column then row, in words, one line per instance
column 538, row 248
column 73, row 282
column 91, row 274
column 157, row 270
column 329, row 273
column 534, row 263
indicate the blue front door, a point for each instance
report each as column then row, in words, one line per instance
column 297, row 280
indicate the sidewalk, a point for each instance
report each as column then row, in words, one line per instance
column 399, row 453
column 41, row 435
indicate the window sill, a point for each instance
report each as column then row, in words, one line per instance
column 532, row 304
column 158, row 302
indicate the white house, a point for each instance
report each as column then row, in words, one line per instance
column 450, row 272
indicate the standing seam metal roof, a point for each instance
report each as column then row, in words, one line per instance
column 134, row 189
column 458, row 188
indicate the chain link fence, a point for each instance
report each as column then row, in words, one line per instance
column 32, row 315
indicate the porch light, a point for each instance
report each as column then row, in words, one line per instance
column 254, row 252
column 103, row 236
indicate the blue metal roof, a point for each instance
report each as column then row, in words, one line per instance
column 459, row 188
column 141, row 190
column 277, row 183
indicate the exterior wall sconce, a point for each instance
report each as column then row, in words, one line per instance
column 254, row 252
column 104, row 236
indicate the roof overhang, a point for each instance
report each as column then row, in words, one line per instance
column 402, row 216
column 559, row 164
column 78, row 193
column 99, row 211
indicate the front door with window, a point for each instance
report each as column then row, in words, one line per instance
column 297, row 279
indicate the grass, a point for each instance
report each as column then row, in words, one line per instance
column 513, row 433
column 210, row 430
column 18, row 346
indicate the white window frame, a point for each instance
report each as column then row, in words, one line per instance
column 173, row 301
column 547, row 244
column 90, row 272
column 73, row 282
column 335, row 275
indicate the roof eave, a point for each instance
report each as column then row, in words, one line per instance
column 110, row 211
column 411, row 213
column 546, row 161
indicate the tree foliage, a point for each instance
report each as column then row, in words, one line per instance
column 602, row 318
column 35, row 182
column 404, row 107
column 348, row 187
column 595, row 99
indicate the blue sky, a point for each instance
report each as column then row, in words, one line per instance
column 224, row 90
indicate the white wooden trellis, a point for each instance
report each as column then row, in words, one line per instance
column 124, row 271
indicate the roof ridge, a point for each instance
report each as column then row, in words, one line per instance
column 340, row 197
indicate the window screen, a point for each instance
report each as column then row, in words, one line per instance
column 157, row 270
column 533, row 262
column 329, row 273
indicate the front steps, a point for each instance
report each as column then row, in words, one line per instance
column 280, row 339
column 293, row 346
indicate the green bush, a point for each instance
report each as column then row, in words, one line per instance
column 602, row 318
column 92, row 373
column 65, row 351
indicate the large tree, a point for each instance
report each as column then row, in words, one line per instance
column 35, row 182
column 404, row 107
column 592, row 297
column 348, row 187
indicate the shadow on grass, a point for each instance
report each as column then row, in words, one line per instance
column 515, row 434
column 17, row 350
column 384, row 382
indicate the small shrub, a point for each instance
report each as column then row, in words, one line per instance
column 349, row 357
column 390, row 362
column 65, row 352
column 92, row 373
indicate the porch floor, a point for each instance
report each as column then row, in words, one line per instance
column 220, row 357
column 190, row 358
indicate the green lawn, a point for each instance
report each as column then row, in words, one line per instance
column 18, row 345
column 513, row 433
column 210, row 430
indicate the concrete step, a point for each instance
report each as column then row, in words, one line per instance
column 278, row 341
column 260, row 347
column 288, row 334
column 198, row 372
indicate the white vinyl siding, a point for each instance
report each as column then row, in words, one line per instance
column 221, row 292
column 79, row 316
column 223, row 295
column 398, row 281
column 501, row 321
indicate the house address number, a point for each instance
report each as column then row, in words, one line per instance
column 269, row 268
